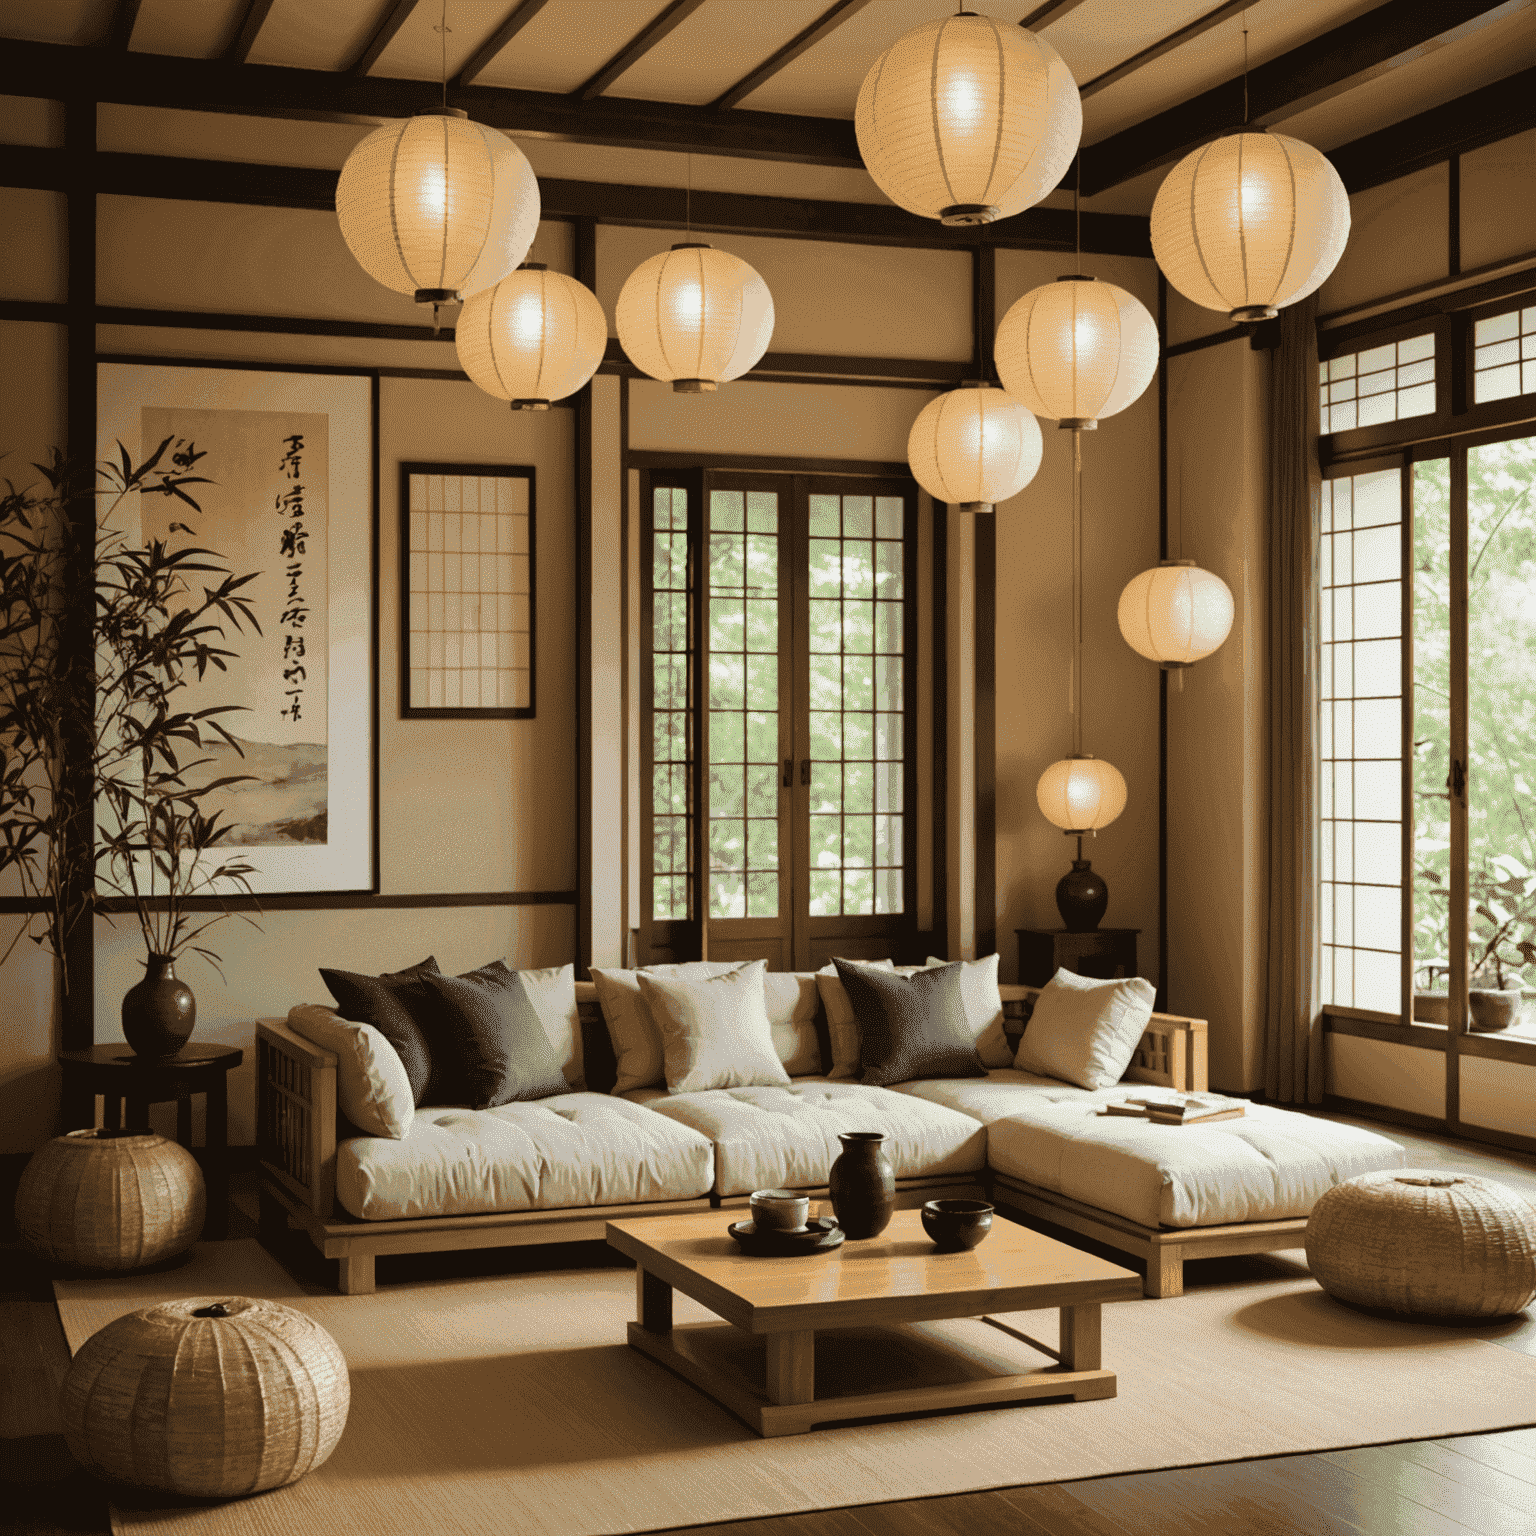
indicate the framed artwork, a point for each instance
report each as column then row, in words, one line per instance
column 292, row 460
column 466, row 592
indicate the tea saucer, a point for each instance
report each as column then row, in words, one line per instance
column 818, row 1236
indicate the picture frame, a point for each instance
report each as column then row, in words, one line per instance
column 468, row 591
column 291, row 452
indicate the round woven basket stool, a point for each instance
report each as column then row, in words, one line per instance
column 1425, row 1242
column 211, row 1397
column 110, row 1200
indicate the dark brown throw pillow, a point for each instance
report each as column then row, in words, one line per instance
column 398, row 1005
column 500, row 1051
column 910, row 1026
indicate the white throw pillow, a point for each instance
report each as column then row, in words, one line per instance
column 372, row 1088
column 983, row 1009
column 792, row 999
column 553, row 994
column 636, row 1042
column 1085, row 1031
column 714, row 1030
column 842, row 1027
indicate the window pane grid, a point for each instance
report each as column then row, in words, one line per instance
column 1386, row 383
column 672, row 854
column 1504, row 356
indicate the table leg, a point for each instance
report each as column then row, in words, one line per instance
column 216, row 1158
column 111, row 1111
column 1080, row 1338
column 792, row 1367
column 136, row 1113
column 184, row 1120
column 653, row 1302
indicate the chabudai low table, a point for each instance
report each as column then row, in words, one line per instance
column 846, row 1335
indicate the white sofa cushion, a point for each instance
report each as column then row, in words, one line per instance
column 552, row 991
column 983, row 1008
column 575, row 1149
column 714, row 1029
column 792, row 1001
column 373, row 1089
column 636, row 1040
column 1084, row 1030
column 786, row 1138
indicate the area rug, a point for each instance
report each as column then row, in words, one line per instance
column 511, row 1403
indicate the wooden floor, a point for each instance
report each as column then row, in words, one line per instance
column 1483, row 1484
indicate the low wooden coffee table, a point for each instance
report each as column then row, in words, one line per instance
column 869, row 1301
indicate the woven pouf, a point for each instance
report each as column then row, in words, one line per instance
column 211, row 1397
column 110, row 1200
column 1428, row 1243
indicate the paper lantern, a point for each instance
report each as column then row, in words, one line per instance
column 1175, row 613
column 974, row 447
column 1077, row 350
column 1081, row 794
column 437, row 206
column 694, row 317
column 1250, row 223
column 967, row 119
column 534, row 337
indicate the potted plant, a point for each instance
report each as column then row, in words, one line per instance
column 78, row 740
column 1502, row 940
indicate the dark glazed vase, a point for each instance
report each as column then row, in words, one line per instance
column 862, row 1185
column 1081, row 898
column 159, row 1012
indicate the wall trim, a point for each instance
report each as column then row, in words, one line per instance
column 1410, row 1120
column 772, row 464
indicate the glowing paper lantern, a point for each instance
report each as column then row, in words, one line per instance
column 974, row 447
column 534, row 337
column 1077, row 350
column 1081, row 794
column 437, row 206
column 967, row 119
column 1250, row 223
column 1175, row 613
column 695, row 317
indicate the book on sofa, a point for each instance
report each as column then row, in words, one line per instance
column 1180, row 1108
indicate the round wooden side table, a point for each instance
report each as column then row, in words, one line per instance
column 120, row 1077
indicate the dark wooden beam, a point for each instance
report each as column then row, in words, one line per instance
column 828, row 21
column 1163, row 45
column 482, row 56
column 383, row 34
column 255, row 18
column 1044, row 15
column 124, row 17
column 1362, row 49
column 637, row 47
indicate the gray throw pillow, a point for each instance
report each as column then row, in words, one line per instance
column 910, row 1026
column 501, row 1050
column 399, row 1005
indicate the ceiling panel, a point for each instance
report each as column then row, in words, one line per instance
column 315, row 34
column 200, row 31
column 82, row 22
column 713, row 49
column 1100, row 34
column 565, row 44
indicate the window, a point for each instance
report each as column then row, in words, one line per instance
column 1504, row 356
column 1385, row 383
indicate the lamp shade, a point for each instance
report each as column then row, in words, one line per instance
column 1077, row 350
column 967, row 119
column 1081, row 794
column 1250, row 223
column 534, row 337
column 695, row 317
column 1175, row 613
column 974, row 447
column 437, row 206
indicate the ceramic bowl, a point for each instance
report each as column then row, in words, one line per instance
column 780, row 1210
column 955, row 1225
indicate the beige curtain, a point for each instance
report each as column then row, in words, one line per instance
column 1293, row 1034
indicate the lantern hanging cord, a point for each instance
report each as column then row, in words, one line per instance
column 688, row 199
column 1077, row 212
column 1077, row 592
column 1245, row 69
column 443, row 28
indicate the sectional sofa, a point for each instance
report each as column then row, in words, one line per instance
column 556, row 1170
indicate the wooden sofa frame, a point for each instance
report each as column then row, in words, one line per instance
column 297, row 1128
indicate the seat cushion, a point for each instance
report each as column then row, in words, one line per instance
column 786, row 1138
column 575, row 1149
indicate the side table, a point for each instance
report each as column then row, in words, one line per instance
column 1102, row 952
column 117, row 1075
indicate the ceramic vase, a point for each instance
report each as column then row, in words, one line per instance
column 862, row 1185
column 158, row 1012
column 1081, row 898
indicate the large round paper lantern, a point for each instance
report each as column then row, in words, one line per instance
column 1250, row 223
column 1175, row 613
column 694, row 317
column 1081, row 794
column 967, row 119
column 1077, row 350
column 974, row 447
column 437, row 206
column 534, row 337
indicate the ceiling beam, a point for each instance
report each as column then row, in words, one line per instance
column 637, row 47
column 1163, row 45
column 828, row 21
column 1369, row 46
column 124, row 16
column 521, row 15
column 255, row 18
column 395, row 15
column 1043, row 15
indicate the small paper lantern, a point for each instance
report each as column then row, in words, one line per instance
column 1081, row 794
column 967, row 119
column 974, row 447
column 534, row 337
column 694, row 317
column 1250, row 223
column 1077, row 350
column 437, row 206
column 1175, row 613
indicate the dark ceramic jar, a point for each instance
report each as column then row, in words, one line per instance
column 159, row 1012
column 1081, row 897
column 863, row 1185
